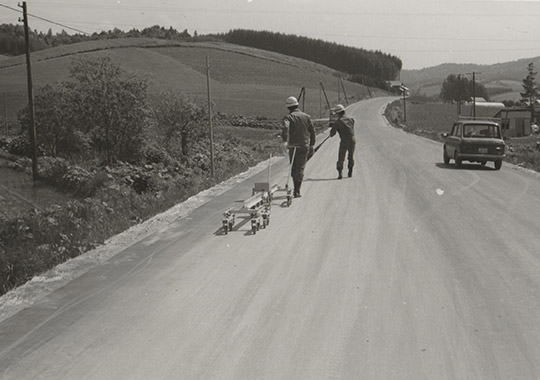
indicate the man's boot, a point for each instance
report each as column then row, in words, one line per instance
column 350, row 171
column 296, row 192
column 340, row 176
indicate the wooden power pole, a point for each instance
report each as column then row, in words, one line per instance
column 210, row 118
column 474, row 94
column 32, row 130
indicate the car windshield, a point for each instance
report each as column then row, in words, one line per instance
column 480, row 130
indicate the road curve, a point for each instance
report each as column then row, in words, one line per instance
column 408, row 270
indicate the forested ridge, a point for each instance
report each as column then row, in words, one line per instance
column 372, row 68
column 364, row 66
column 12, row 37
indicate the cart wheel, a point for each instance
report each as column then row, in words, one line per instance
column 225, row 229
column 231, row 224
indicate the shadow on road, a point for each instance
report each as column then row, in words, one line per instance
column 464, row 166
column 320, row 179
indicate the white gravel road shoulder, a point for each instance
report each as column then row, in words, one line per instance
column 41, row 285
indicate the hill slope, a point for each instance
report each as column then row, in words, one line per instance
column 244, row 80
column 505, row 77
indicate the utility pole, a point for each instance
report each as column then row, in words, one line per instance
column 338, row 91
column 210, row 118
column 320, row 103
column 32, row 130
column 344, row 91
column 302, row 97
column 4, row 102
column 368, row 89
column 474, row 94
column 460, row 95
column 325, row 97
column 404, row 92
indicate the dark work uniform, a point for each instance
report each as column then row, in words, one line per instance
column 298, row 132
column 344, row 125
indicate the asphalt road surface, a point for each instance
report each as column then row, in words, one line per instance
column 408, row 270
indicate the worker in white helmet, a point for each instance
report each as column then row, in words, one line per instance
column 343, row 125
column 298, row 131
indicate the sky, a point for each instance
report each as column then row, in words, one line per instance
column 422, row 33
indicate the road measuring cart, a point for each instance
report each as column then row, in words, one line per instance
column 257, row 207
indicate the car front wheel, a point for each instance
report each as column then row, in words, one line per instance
column 498, row 164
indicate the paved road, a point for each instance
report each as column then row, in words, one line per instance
column 408, row 270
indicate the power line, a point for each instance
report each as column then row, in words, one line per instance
column 8, row 7
column 57, row 23
column 44, row 19
column 324, row 13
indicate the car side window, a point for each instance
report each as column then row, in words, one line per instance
column 457, row 130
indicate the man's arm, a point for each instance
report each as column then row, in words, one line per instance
column 333, row 130
column 285, row 130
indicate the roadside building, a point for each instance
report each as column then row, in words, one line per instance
column 481, row 108
column 515, row 121
column 398, row 87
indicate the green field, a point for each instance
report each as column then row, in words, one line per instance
column 243, row 80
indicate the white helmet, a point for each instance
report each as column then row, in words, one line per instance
column 339, row 108
column 291, row 102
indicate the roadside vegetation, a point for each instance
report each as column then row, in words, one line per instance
column 116, row 160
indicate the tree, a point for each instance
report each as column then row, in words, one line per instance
column 530, row 89
column 55, row 130
column 179, row 117
column 109, row 106
column 100, row 108
column 458, row 88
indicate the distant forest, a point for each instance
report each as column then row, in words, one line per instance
column 372, row 68
column 12, row 37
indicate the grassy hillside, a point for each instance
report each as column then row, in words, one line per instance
column 244, row 80
column 503, row 79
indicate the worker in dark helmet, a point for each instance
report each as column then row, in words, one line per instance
column 343, row 125
column 299, row 134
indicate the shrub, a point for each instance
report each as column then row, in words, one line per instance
column 20, row 146
column 70, row 178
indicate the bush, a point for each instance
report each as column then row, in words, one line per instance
column 153, row 154
column 70, row 178
column 20, row 146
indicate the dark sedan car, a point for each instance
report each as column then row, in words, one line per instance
column 474, row 141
